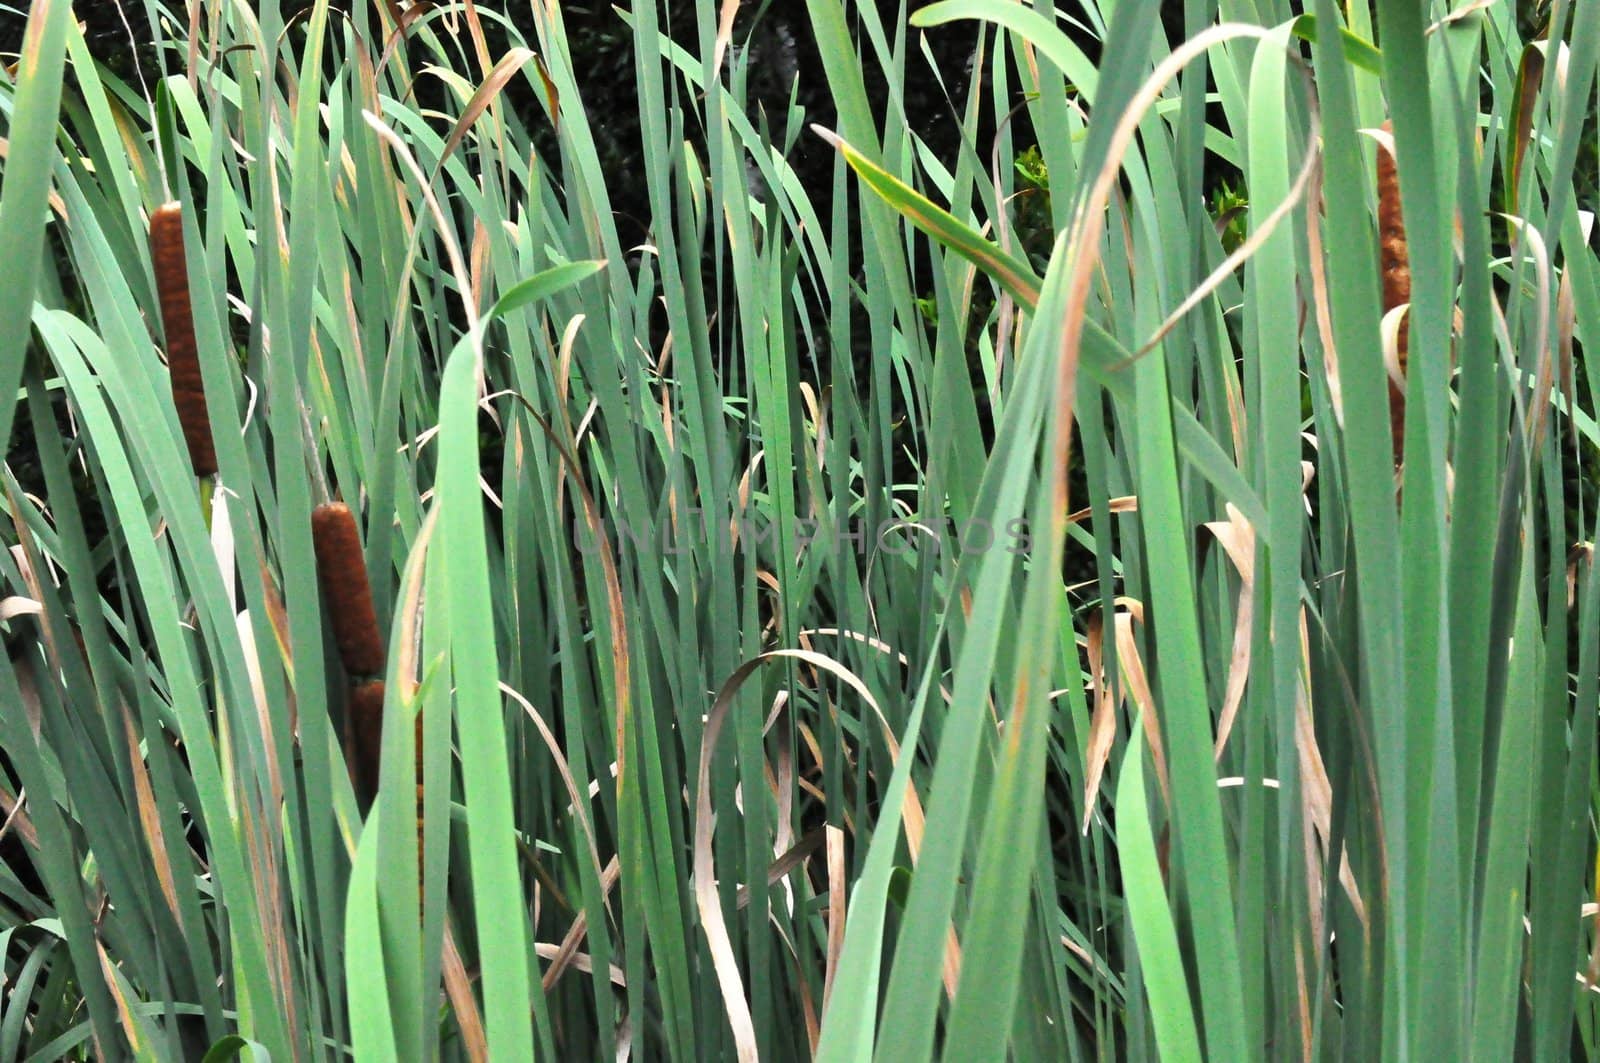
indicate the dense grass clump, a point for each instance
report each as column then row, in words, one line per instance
column 787, row 542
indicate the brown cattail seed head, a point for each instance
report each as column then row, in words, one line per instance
column 1393, row 259
column 344, row 583
column 177, row 322
column 1394, row 265
column 363, row 739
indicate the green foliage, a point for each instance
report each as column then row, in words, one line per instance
column 1055, row 677
column 1032, row 169
column 1230, row 211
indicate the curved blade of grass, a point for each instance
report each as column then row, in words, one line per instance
column 1504, row 859
column 30, row 159
column 371, row 1026
column 542, row 286
column 1358, row 51
column 1028, row 25
column 1367, row 459
column 1010, row 272
column 998, row 925
column 463, row 551
column 849, row 1025
column 1524, row 100
column 1149, row 914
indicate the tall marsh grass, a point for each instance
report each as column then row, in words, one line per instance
column 734, row 702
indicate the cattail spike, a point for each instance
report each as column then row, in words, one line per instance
column 363, row 740
column 177, row 322
column 363, row 751
column 344, row 582
column 1394, row 266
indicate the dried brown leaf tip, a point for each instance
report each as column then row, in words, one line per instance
column 345, row 588
column 1394, row 264
column 363, row 739
column 177, row 323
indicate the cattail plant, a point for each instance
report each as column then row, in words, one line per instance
column 1395, row 270
column 1328, row 792
column 363, row 749
column 177, row 322
column 345, row 588
column 363, row 739
column 355, row 631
